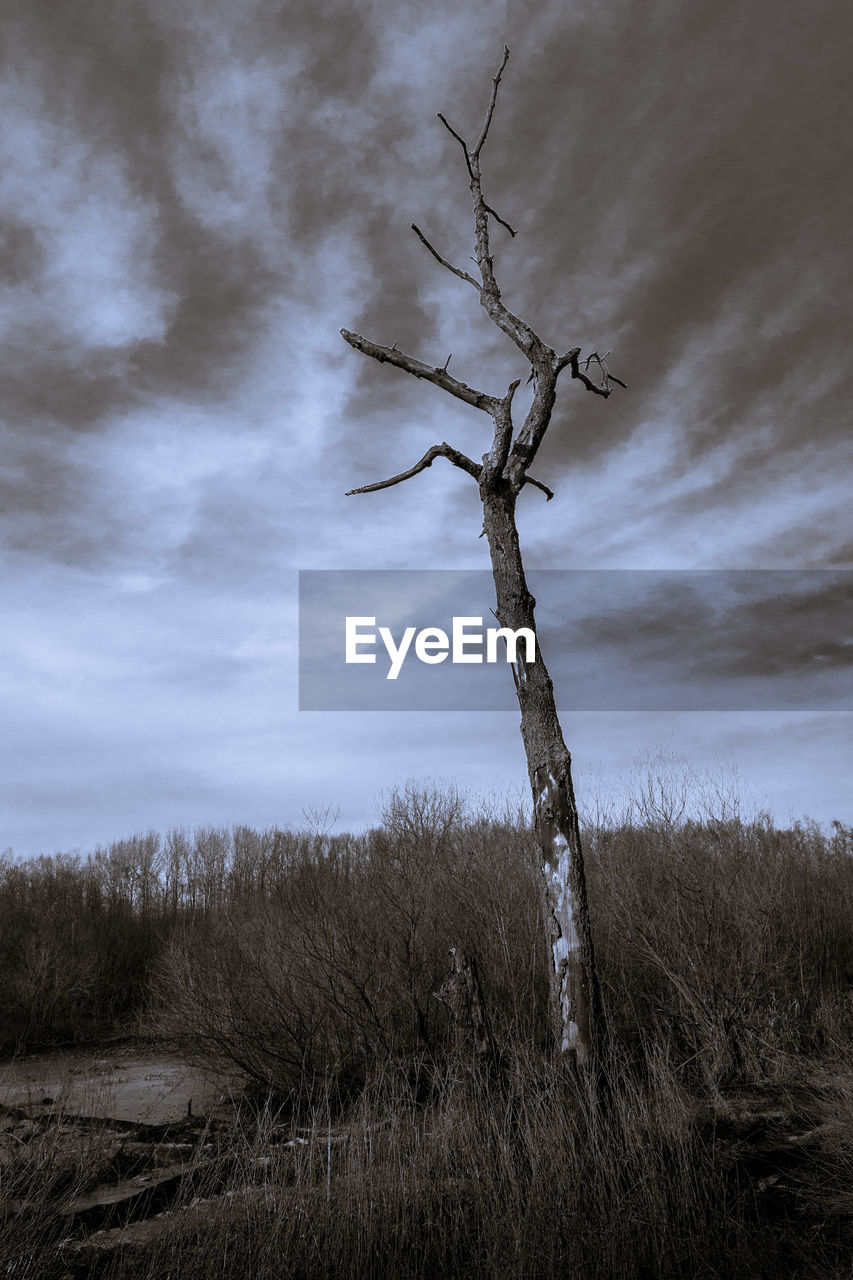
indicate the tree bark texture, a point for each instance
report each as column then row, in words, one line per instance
column 575, row 1004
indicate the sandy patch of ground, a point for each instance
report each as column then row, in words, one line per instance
column 121, row 1084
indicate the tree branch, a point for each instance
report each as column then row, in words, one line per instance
column 495, row 460
column 463, row 144
column 605, row 372
column 497, row 217
column 537, row 484
column 496, row 79
column 600, row 389
column 442, row 450
column 463, row 275
column 490, row 295
column 532, row 431
column 438, row 376
column 508, row 460
column 562, row 361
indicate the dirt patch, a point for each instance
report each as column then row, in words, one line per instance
column 121, row 1084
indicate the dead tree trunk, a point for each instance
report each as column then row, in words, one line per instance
column 575, row 995
column 462, row 994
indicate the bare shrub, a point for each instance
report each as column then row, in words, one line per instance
column 337, row 960
column 721, row 939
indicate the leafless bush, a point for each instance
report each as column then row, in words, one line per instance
column 338, row 960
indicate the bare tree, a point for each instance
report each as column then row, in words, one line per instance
column 504, row 471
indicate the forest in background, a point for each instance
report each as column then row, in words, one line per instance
column 372, row 1140
column 298, row 956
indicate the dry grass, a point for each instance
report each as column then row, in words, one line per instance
column 724, row 1146
column 442, row 1172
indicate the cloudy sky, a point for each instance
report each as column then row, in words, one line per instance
column 195, row 196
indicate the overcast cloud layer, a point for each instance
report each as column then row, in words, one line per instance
column 195, row 198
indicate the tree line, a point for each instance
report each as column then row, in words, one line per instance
column 304, row 955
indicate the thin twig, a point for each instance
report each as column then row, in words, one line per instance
column 463, row 275
column 497, row 217
column 606, row 376
column 496, row 79
column 463, row 144
column 600, row 390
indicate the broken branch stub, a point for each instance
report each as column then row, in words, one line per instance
column 462, row 994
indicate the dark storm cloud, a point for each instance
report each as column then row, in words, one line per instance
column 714, row 638
column 613, row 640
column 44, row 497
column 807, row 624
column 117, row 108
column 680, row 181
column 671, row 173
column 195, row 196
column 680, row 177
column 107, row 80
column 21, row 255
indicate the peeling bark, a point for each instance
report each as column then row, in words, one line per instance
column 575, row 994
